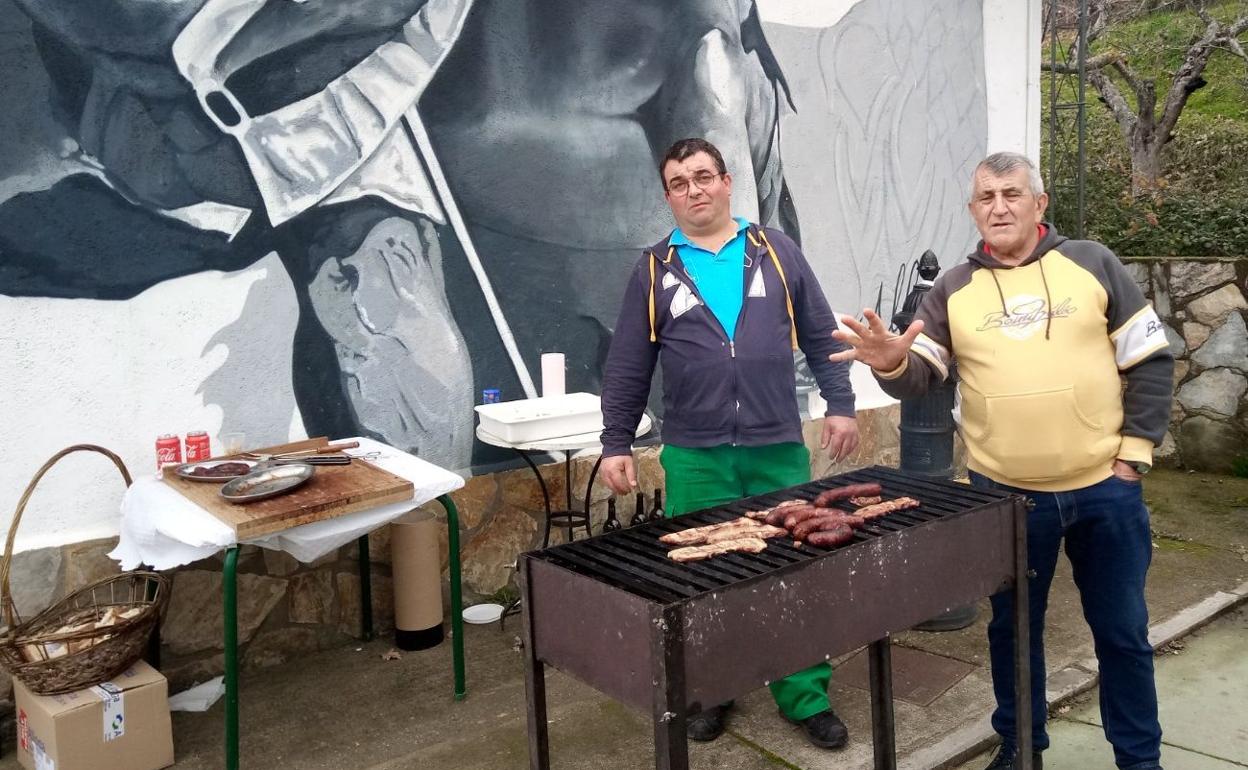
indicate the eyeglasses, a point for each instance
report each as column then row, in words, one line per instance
column 701, row 180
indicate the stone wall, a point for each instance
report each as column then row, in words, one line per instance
column 1202, row 304
column 286, row 609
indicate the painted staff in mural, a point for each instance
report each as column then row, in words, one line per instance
column 404, row 159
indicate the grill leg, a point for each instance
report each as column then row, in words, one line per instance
column 534, row 681
column 882, row 729
column 667, row 650
column 1022, row 639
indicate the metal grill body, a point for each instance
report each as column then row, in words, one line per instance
column 672, row 638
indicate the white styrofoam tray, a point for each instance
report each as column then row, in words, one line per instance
column 534, row 419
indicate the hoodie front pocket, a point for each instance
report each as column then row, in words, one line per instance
column 1041, row 435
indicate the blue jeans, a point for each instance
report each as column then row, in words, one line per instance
column 1109, row 545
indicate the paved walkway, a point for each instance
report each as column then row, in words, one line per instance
column 348, row 709
column 1202, row 687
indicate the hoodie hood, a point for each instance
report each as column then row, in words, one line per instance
column 1049, row 240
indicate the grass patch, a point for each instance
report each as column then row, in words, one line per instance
column 1180, row 544
column 1177, row 493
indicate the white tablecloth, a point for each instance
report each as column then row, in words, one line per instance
column 163, row 529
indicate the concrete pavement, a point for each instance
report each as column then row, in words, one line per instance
column 1202, row 689
column 348, row 708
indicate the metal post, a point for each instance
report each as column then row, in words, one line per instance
column 534, row 679
column 152, row 654
column 366, row 589
column 545, row 493
column 1081, row 120
column 589, row 495
column 229, row 593
column 927, row 428
column 1022, row 638
column 667, row 652
column 567, row 488
column 457, row 602
column 883, row 736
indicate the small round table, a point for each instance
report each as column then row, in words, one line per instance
column 569, row 445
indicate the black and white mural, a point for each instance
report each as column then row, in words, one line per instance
column 348, row 218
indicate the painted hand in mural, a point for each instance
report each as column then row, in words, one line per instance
column 402, row 363
column 873, row 344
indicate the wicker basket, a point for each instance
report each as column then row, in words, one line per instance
column 62, row 649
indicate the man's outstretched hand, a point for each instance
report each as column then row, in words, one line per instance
column 873, row 344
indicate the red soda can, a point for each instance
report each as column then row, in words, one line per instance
column 168, row 450
column 198, row 446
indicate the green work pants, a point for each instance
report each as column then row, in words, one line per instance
column 701, row 478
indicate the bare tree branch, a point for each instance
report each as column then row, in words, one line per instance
column 1147, row 126
column 1189, row 72
column 1128, row 74
column 1096, row 62
column 1098, row 19
column 1115, row 102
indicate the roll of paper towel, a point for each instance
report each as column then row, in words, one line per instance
column 553, row 368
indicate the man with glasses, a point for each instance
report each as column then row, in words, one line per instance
column 724, row 303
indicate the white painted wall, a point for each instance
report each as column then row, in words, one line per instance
column 1012, row 45
column 163, row 350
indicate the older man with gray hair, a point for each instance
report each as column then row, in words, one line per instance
column 1044, row 330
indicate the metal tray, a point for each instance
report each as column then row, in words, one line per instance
column 266, row 483
column 184, row 471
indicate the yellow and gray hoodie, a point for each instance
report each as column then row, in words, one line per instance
column 1042, row 349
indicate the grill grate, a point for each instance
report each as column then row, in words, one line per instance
column 635, row 560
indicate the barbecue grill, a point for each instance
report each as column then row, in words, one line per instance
column 673, row 638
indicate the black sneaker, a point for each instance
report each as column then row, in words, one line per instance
column 1004, row 760
column 708, row 725
column 825, row 729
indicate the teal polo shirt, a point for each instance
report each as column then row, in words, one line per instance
column 720, row 277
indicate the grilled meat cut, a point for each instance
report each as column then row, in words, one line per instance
column 887, row 507
column 763, row 531
column 741, row 527
column 700, row 552
column 861, row 501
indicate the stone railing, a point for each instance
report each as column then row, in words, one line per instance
column 1202, row 303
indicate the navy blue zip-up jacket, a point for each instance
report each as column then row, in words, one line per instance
column 718, row 392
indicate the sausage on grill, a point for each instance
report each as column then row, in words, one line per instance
column 798, row 515
column 817, row 523
column 830, row 538
column 826, row 498
column 775, row 516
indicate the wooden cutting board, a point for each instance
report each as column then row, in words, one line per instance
column 332, row 491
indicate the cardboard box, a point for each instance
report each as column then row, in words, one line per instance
column 118, row 725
